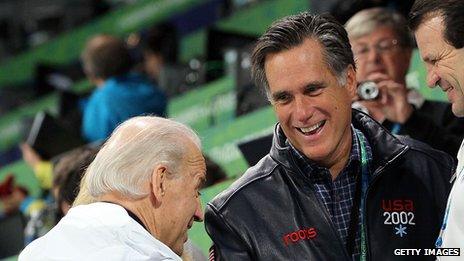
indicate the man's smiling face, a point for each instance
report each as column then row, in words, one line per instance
column 444, row 63
column 312, row 106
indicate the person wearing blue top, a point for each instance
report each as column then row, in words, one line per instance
column 120, row 93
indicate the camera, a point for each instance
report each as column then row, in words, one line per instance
column 368, row 90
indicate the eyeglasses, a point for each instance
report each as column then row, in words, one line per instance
column 382, row 47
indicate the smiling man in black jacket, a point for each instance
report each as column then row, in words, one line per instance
column 336, row 185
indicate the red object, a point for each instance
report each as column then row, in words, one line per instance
column 7, row 186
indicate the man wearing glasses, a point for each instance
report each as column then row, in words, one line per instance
column 382, row 46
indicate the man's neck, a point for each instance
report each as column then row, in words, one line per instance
column 98, row 82
column 338, row 161
column 141, row 208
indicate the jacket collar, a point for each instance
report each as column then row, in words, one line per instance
column 385, row 146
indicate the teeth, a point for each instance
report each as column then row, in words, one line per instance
column 312, row 128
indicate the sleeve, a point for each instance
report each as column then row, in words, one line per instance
column 423, row 128
column 227, row 244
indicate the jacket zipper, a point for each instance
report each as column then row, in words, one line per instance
column 377, row 175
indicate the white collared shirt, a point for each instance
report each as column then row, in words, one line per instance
column 453, row 234
column 98, row 231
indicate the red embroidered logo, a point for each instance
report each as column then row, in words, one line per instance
column 397, row 205
column 399, row 215
column 302, row 234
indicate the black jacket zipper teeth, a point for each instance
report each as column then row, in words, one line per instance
column 376, row 177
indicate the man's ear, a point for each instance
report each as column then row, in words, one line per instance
column 158, row 181
column 351, row 83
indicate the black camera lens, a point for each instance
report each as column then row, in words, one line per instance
column 368, row 90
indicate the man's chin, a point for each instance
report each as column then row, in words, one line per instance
column 178, row 252
column 458, row 109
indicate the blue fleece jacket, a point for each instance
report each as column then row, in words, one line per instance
column 119, row 99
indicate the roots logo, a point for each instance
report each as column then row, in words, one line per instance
column 398, row 213
column 302, row 234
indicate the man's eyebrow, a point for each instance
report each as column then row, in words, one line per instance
column 317, row 84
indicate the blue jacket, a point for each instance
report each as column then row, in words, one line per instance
column 119, row 99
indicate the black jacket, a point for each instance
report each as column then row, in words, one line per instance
column 435, row 124
column 272, row 213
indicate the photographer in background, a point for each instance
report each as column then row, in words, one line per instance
column 382, row 45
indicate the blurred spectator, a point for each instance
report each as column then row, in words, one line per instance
column 42, row 169
column 67, row 174
column 40, row 211
column 382, row 45
column 11, row 220
column 120, row 93
column 159, row 47
column 11, row 196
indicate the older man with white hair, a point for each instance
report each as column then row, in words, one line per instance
column 146, row 180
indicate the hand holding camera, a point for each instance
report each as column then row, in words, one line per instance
column 385, row 98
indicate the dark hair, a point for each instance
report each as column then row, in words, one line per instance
column 292, row 30
column 105, row 56
column 452, row 12
column 68, row 172
column 161, row 39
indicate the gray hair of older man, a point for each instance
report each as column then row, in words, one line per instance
column 291, row 31
column 368, row 20
column 127, row 160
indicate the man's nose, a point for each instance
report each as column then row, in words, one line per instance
column 303, row 108
column 373, row 55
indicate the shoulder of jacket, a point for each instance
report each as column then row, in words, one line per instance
column 429, row 153
column 264, row 168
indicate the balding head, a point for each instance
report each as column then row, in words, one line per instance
column 105, row 56
column 126, row 162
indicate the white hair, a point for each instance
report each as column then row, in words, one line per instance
column 367, row 21
column 127, row 160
